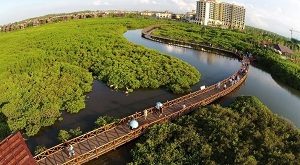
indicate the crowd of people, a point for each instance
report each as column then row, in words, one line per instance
column 236, row 78
column 244, row 68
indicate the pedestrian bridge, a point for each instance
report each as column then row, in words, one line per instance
column 102, row 140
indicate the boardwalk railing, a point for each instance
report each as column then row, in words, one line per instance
column 117, row 134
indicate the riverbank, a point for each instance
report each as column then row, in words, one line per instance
column 171, row 110
column 147, row 33
column 248, row 41
column 215, row 67
column 245, row 132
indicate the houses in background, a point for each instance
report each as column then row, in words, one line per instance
column 82, row 15
column 281, row 49
column 162, row 15
column 209, row 12
column 278, row 48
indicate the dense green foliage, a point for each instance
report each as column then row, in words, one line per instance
column 47, row 69
column 39, row 149
column 247, row 132
column 248, row 41
column 63, row 135
column 75, row 132
column 103, row 120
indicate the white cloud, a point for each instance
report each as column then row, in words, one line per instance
column 100, row 2
column 185, row 5
column 277, row 16
column 148, row 2
column 144, row 1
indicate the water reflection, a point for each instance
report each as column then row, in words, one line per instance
column 279, row 98
column 103, row 101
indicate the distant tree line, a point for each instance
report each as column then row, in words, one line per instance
column 54, row 18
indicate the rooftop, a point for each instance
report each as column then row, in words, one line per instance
column 283, row 49
column 13, row 150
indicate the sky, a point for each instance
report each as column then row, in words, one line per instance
column 274, row 15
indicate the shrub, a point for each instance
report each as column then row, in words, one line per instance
column 39, row 149
column 104, row 120
column 75, row 132
column 63, row 135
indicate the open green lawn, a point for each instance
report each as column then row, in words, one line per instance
column 48, row 69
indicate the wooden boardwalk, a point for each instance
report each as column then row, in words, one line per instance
column 102, row 140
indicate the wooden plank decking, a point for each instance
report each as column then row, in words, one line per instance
column 112, row 136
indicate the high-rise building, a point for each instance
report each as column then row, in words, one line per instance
column 213, row 13
column 202, row 12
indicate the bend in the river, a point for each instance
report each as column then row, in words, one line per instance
column 108, row 137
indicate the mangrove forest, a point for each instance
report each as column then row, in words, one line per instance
column 49, row 69
column 246, row 132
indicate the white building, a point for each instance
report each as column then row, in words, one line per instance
column 190, row 16
column 163, row 15
column 202, row 12
column 148, row 13
column 213, row 13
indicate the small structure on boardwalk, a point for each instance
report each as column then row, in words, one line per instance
column 159, row 105
column 13, row 150
column 202, row 87
column 133, row 124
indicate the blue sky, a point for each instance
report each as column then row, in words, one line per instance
column 275, row 15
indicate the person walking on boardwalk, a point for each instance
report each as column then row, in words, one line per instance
column 219, row 85
column 160, row 111
column 145, row 113
column 71, row 151
column 225, row 86
column 159, row 107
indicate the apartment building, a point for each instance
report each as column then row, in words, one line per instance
column 214, row 13
column 190, row 16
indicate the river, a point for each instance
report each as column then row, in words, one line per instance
column 281, row 99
